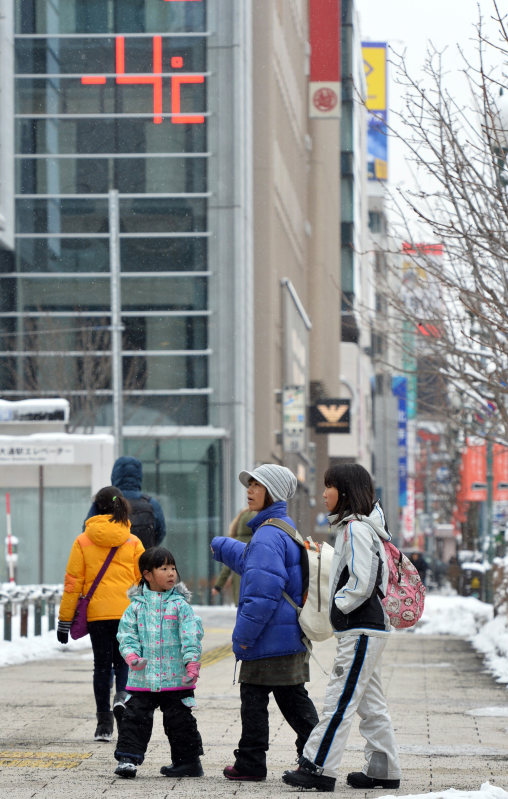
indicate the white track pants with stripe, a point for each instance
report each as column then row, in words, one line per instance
column 355, row 687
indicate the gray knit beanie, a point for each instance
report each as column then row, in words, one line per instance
column 279, row 481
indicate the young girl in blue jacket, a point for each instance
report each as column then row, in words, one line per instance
column 160, row 639
column 267, row 637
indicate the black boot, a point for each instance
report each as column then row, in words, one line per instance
column 104, row 731
column 307, row 776
column 119, row 706
column 192, row 769
column 357, row 779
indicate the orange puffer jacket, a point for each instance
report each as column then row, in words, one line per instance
column 88, row 553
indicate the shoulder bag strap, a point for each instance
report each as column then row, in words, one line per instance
column 101, row 572
column 282, row 525
column 295, row 535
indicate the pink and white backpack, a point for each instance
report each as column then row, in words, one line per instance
column 405, row 594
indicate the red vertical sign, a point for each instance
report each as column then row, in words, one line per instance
column 500, row 470
column 324, row 34
column 474, row 473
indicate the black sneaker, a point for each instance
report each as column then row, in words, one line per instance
column 126, row 769
column 193, row 769
column 357, row 779
column 305, row 778
column 119, row 706
column 104, row 729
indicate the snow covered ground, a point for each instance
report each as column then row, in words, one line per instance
column 444, row 614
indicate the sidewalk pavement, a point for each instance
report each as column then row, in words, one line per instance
column 450, row 718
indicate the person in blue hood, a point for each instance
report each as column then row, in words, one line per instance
column 267, row 637
column 147, row 517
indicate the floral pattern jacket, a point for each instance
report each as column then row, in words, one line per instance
column 162, row 627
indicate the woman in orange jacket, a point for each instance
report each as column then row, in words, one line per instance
column 110, row 528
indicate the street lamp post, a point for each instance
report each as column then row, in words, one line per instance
column 116, row 320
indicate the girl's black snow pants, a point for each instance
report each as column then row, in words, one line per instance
column 179, row 725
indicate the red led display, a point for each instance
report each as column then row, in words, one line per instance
column 155, row 79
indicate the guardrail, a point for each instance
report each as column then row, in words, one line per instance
column 42, row 598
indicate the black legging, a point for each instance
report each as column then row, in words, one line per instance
column 106, row 656
column 295, row 705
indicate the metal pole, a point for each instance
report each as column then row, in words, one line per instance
column 490, row 495
column 116, row 319
column 41, row 524
column 10, row 548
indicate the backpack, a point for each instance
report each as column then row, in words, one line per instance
column 316, row 560
column 142, row 518
column 405, row 594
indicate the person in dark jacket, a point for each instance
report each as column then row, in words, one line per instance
column 267, row 637
column 421, row 564
column 127, row 475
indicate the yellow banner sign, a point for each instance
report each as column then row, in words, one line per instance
column 374, row 61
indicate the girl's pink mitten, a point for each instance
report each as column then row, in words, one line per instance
column 192, row 670
column 135, row 662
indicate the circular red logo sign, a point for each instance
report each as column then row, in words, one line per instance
column 324, row 99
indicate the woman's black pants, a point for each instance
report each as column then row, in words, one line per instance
column 295, row 705
column 106, row 657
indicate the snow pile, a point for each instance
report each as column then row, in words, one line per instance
column 469, row 618
column 487, row 791
column 453, row 615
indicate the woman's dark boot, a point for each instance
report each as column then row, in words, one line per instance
column 104, row 731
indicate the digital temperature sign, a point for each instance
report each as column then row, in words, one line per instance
column 155, row 80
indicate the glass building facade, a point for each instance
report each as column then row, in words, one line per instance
column 110, row 96
column 95, row 93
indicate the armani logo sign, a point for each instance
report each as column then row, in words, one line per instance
column 333, row 413
column 331, row 416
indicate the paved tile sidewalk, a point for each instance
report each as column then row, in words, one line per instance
column 439, row 694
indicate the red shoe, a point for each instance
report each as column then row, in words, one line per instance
column 231, row 773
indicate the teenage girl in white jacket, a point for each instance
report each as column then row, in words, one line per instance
column 358, row 582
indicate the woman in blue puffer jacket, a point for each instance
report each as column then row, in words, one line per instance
column 267, row 637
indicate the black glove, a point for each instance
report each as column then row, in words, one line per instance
column 62, row 631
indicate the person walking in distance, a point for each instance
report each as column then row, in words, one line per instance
column 239, row 529
column 358, row 582
column 109, row 527
column 146, row 514
column 267, row 637
column 160, row 639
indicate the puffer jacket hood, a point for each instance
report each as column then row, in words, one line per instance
column 376, row 520
column 127, row 473
column 107, row 533
column 89, row 551
column 179, row 588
